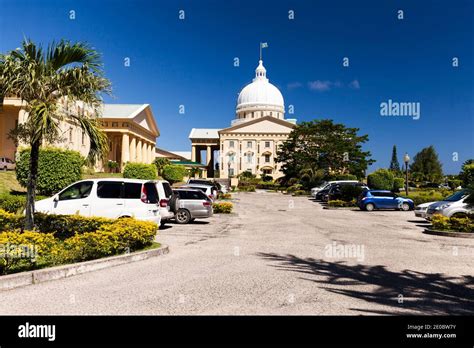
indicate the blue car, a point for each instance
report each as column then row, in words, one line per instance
column 378, row 199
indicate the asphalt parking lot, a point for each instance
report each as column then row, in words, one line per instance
column 276, row 254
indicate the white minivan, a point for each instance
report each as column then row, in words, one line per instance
column 111, row 198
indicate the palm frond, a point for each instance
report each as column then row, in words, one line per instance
column 99, row 145
column 64, row 53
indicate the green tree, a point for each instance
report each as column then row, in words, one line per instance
column 381, row 179
column 324, row 145
column 50, row 82
column 160, row 163
column 174, row 173
column 394, row 164
column 426, row 166
column 467, row 174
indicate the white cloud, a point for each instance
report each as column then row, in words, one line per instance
column 354, row 84
column 319, row 85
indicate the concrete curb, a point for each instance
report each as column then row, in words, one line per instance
column 341, row 208
column 449, row 234
column 42, row 275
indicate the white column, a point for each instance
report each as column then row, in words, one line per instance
column 133, row 150
column 125, row 149
column 144, row 156
column 139, row 150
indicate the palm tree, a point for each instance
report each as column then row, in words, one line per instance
column 46, row 80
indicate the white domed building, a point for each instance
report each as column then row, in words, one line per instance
column 251, row 142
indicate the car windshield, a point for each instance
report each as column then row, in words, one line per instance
column 456, row 196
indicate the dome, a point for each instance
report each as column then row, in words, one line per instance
column 260, row 92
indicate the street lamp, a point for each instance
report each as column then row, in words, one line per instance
column 406, row 159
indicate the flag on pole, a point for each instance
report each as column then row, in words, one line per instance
column 264, row 44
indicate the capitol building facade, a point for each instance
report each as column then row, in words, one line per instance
column 252, row 140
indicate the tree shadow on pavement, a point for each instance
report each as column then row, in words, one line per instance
column 425, row 293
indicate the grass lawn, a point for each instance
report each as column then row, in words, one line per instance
column 8, row 182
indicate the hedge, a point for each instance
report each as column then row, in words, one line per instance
column 174, row 173
column 340, row 203
column 12, row 203
column 140, row 171
column 443, row 223
column 222, row 207
column 381, row 179
column 82, row 238
column 57, row 169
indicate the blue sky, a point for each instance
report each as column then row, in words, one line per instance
column 190, row 62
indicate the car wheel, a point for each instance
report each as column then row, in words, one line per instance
column 460, row 215
column 5, row 168
column 405, row 207
column 183, row 216
column 369, row 207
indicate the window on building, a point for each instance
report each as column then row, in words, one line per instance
column 231, row 143
column 267, row 158
column 114, row 124
column 231, row 171
column 83, row 138
column 249, row 158
column 70, row 134
column 267, row 144
column 249, row 144
column 231, row 158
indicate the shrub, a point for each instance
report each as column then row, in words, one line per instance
column 398, row 183
column 443, row 223
column 66, row 226
column 246, row 175
column 124, row 235
column 174, row 173
column 10, row 221
column 248, row 188
column 454, row 183
column 340, row 203
column 57, row 168
column 222, row 207
column 300, row 193
column 225, row 196
column 12, row 203
column 350, row 192
column 381, row 179
column 20, row 250
column 266, row 178
column 140, row 171
column 160, row 163
column 342, row 177
column 420, row 197
column 267, row 185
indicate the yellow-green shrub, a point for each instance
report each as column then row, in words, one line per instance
column 123, row 235
column 23, row 249
column 9, row 221
column 443, row 223
column 222, row 207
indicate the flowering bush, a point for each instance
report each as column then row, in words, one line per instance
column 222, row 207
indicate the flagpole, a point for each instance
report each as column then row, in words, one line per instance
column 260, row 51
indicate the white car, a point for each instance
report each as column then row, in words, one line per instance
column 420, row 209
column 453, row 205
column 6, row 164
column 210, row 191
column 165, row 193
column 326, row 185
column 111, row 198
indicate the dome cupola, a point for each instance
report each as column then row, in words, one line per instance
column 259, row 98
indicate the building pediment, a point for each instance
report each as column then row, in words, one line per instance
column 266, row 124
column 140, row 114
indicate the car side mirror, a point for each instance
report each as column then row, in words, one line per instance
column 56, row 199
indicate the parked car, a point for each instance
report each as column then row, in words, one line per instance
column 167, row 203
column 336, row 190
column 325, row 185
column 210, row 191
column 420, row 209
column 215, row 185
column 110, row 198
column 7, row 164
column 453, row 205
column 379, row 199
column 193, row 204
